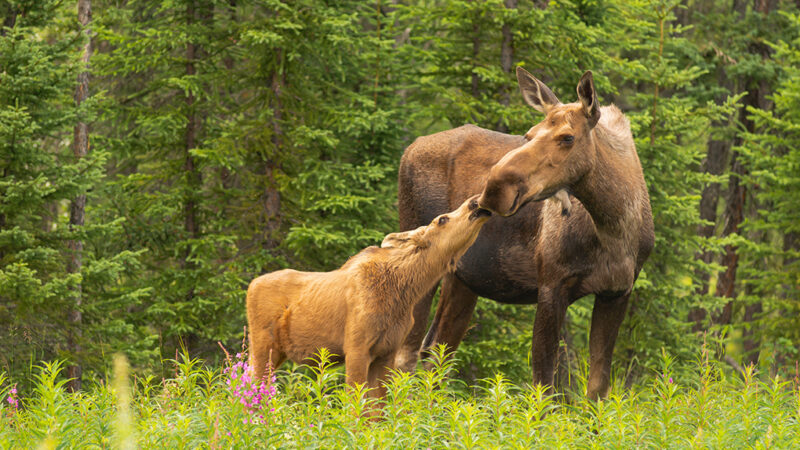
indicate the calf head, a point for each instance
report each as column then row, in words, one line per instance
column 448, row 235
column 559, row 151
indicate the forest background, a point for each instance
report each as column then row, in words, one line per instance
column 158, row 155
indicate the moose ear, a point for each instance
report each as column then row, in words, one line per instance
column 588, row 98
column 535, row 93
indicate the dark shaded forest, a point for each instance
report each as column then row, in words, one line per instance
column 158, row 155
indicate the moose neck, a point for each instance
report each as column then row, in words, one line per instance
column 416, row 273
column 611, row 191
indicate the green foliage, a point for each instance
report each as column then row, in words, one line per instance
column 40, row 176
column 312, row 408
column 772, row 152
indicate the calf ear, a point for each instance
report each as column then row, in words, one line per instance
column 414, row 237
column 394, row 239
column 535, row 93
column 588, row 98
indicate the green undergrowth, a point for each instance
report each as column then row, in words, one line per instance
column 310, row 407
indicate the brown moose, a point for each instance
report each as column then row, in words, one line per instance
column 362, row 311
column 538, row 254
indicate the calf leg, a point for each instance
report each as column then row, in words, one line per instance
column 607, row 316
column 264, row 350
column 456, row 304
column 356, row 366
column 378, row 375
column 550, row 312
column 406, row 359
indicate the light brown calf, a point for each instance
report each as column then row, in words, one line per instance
column 363, row 310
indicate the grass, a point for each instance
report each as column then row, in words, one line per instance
column 310, row 408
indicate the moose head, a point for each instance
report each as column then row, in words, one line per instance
column 559, row 151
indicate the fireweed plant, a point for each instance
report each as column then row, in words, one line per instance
column 12, row 397
column 10, row 394
column 253, row 394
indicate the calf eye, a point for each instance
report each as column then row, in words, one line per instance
column 443, row 220
column 568, row 139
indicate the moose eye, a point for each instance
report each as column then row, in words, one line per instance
column 443, row 220
column 568, row 139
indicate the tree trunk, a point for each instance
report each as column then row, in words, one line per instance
column 225, row 176
column 476, row 47
column 378, row 53
column 506, row 61
column 80, row 148
column 734, row 215
column 9, row 21
column 714, row 164
column 272, row 196
column 737, row 192
column 751, row 346
column 791, row 242
column 683, row 14
column 193, row 177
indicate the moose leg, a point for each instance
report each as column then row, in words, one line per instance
column 406, row 359
column 607, row 316
column 356, row 366
column 456, row 304
column 550, row 312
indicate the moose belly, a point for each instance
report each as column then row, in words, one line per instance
column 500, row 269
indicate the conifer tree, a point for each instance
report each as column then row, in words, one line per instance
column 80, row 147
column 35, row 78
column 771, row 268
column 40, row 58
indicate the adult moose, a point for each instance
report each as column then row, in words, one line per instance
column 537, row 253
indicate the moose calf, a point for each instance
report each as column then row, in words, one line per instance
column 362, row 311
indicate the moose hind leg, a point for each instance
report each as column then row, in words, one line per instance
column 550, row 312
column 456, row 304
column 607, row 317
column 406, row 359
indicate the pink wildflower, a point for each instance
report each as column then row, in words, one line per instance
column 254, row 395
column 12, row 397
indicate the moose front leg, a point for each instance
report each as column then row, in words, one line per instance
column 607, row 316
column 456, row 304
column 550, row 310
column 406, row 359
